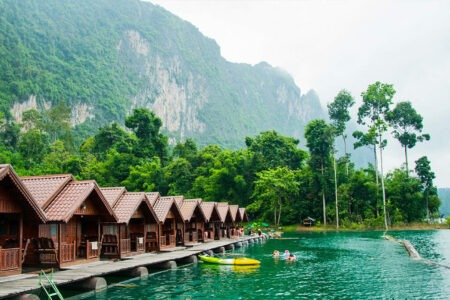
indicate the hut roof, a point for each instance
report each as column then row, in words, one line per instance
column 152, row 197
column 30, row 203
column 128, row 204
column 223, row 209
column 188, row 208
column 243, row 213
column 112, row 194
column 162, row 207
column 72, row 196
column 208, row 208
column 179, row 200
column 234, row 209
column 45, row 188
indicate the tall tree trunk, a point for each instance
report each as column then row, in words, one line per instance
column 279, row 214
column 406, row 161
column 382, row 183
column 345, row 152
column 376, row 174
column 275, row 215
column 323, row 198
column 336, row 192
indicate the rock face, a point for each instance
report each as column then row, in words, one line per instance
column 105, row 60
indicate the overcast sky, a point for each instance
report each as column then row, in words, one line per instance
column 331, row 45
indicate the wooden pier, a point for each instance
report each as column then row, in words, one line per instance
column 90, row 276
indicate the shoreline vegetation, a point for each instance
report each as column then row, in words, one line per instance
column 360, row 227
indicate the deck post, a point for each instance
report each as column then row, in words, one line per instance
column 238, row 245
column 171, row 264
column 219, row 250
column 93, row 284
column 229, row 247
column 141, row 272
column 189, row 260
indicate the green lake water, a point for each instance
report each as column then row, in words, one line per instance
column 332, row 265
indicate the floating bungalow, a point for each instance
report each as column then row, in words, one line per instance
column 169, row 216
column 225, row 219
column 17, row 208
column 75, row 211
column 212, row 221
column 194, row 221
column 135, row 214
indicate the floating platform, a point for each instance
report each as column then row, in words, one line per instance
column 89, row 276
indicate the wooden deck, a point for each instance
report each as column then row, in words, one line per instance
column 15, row 285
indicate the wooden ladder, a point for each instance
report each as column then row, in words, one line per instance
column 49, row 287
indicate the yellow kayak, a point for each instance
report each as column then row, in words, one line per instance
column 229, row 261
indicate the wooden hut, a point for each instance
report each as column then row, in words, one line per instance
column 180, row 225
column 168, row 214
column 75, row 211
column 243, row 214
column 212, row 221
column 20, row 216
column 225, row 219
column 194, row 221
column 110, row 236
column 235, row 218
column 134, row 213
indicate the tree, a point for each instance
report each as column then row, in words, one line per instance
column 338, row 111
column 339, row 114
column 319, row 137
column 407, row 124
column 276, row 186
column 146, row 126
column 373, row 113
column 272, row 150
column 426, row 176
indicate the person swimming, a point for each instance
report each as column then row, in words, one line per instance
column 286, row 253
column 276, row 253
column 292, row 257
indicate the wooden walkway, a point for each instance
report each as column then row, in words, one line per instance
column 11, row 286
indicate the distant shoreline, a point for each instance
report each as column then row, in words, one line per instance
column 415, row 226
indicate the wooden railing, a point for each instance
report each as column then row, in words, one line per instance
column 9, row 259
column 166, row 242
column 162, row 241
column 125, row 246
column 68, row 252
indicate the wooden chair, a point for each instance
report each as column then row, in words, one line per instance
column 46, row 251
column 110, row 245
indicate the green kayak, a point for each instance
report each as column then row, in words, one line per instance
column 229, row 261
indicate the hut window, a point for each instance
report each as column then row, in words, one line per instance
column 53, row 229
column 13, row 229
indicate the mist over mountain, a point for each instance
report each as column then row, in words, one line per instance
column 104, row 58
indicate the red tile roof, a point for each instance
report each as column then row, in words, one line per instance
column 7, row 171
column 234, row 213
column 207, row 208
column 223, row 209
column 127, row 205
column 71, row 197
column 45, row 188
column 112, row 194
column 162, row 207
column 179, row 200
column 188, row 207
column 243, row 213
column 152, row 197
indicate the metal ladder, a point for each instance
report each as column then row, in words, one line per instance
column 48, row 285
